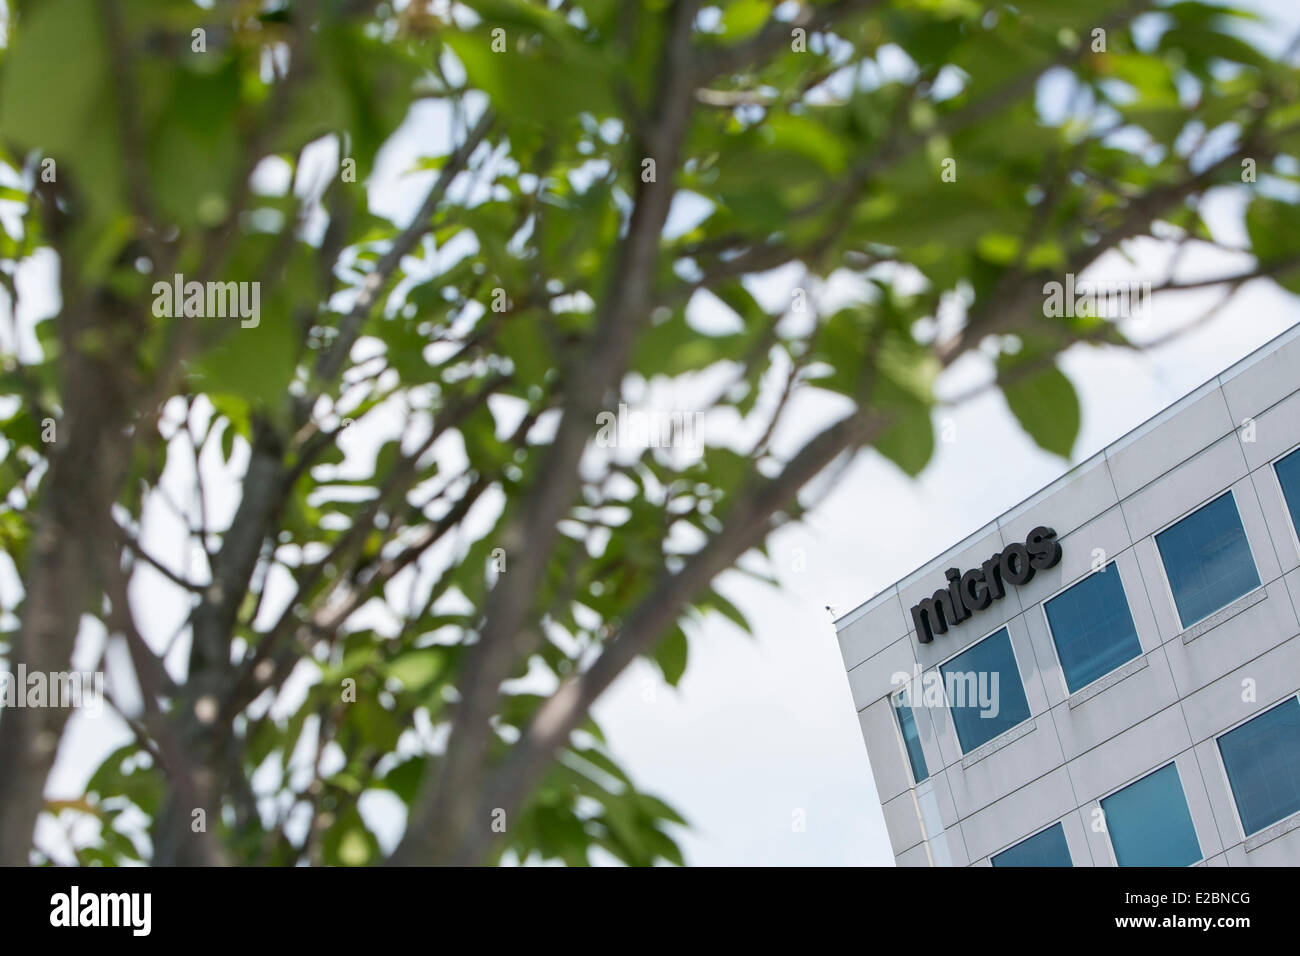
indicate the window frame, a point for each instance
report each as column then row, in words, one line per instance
column 1110, row 840
column 1051, row 637
column 1059, row 822
column 1164, row 571
column 895, row 695
column 1281, row 495
column 1227, row 781
column 1005, row 626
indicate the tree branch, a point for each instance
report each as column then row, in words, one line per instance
column 445, row 804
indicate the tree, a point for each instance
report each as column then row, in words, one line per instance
column 435, row 617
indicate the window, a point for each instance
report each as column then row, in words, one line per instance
column 911, row 738
column 1288, row 476
column 1207, row 560
column 1042, row 849
column 1149, row 823
column 1262, row 758
column 1092, row 628
column 984, row 691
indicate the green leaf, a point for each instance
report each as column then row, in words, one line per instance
column 909, row 441
column 417, row 669
column 53, row 75
column 545, row 83
column 671, row 655
column 252, row 363
column 1044, row 402
column 57, row 95
column 1274, row 230
column 744, row 18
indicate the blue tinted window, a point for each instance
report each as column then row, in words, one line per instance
column 1149, row 822
column 911, row 739
column 984, row 691
column 1262, row 758
column 1042, row 849
column 1092, row 628
column 1288, row 475
column 1207, row 560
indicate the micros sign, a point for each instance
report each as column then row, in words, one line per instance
column 979, row 587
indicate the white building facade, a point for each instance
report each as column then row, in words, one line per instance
column 1131, row 698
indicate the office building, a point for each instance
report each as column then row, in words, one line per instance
column 1108, row 673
